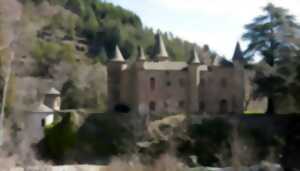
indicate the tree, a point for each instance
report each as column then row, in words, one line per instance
column 266, row 35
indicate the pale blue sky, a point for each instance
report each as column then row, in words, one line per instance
column 218, row 23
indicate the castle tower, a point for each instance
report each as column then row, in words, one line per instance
column 160, row 51
column 193, row 89
column 195, row 58
column 138, row 79
column 238, row 57
column 115, row 68
column 141, row 54
column 52, row 99
column 238, row 63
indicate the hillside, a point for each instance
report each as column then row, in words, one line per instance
column 97, row 26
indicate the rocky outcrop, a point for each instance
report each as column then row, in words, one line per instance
column 61, row 168
column 260, row 167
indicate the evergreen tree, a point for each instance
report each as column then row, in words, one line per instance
column 266, row 35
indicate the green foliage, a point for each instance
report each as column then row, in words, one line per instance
column 61, row 136
column 267, row 36
column 211, row 137
column 69, row 94
column 105, row 25
column 65, row 21
column 85, row 92
column 263, row 33
column 263, row 141
column 48, row 54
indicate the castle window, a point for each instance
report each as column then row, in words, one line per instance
column 166, row 104
column 234, row 103
column 202, row 82
column 181, row 104
column 223, row 106
column 43, row 122
column 152, row 83
column 117, row 95
column 223, row 83
column 201, row 106
column 181, row 82
column 209, row 69
column 168, row 83
column 152, row 106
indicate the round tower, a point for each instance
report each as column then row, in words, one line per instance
column 194, row 79
column 52, row 99
column 141, row 59
column 115, row 68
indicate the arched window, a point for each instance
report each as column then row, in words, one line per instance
column 181, row 104
column 223, row 106
column 223, row 83
column 152, row 106
column 152, row 83
column 201, row 106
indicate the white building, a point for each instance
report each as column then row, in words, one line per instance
column 43, row 115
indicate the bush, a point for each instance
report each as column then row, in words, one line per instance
column 61, row 136
column 49, row 54
column 210, row 138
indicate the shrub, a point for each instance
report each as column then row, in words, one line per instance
column 61, row 136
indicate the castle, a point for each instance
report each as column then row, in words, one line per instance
column 157, row 85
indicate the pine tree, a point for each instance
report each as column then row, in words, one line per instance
column 266, row 35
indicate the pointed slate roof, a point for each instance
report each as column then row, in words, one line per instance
column 118, row 55
column 195, row 57
column 53, row 91
column 238, row 54
column 141, row 54
column 160, row 48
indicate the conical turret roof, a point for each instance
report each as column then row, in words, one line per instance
column 141, row 54
column 238, row 54
column 195, row 57
column 160, row 48
column 118, row 55
column 53, row 91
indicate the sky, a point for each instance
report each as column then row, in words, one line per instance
column 218, row 23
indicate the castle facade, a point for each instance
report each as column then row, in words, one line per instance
column 203, row 84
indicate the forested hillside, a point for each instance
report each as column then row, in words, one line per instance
column 97, row 26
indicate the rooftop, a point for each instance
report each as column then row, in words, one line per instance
column 53, row 91
column 42, row 108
